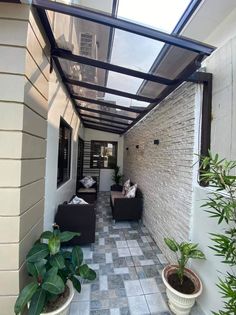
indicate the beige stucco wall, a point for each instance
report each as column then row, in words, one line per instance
column 24, row 74
column 59, row 106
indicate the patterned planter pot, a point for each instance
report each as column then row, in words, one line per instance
column 180, row 303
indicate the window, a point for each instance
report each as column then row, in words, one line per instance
column 64, row 153
column 103, row 154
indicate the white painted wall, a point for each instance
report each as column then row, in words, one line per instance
column 59, row 106
column 106, row 174
column 222, row 64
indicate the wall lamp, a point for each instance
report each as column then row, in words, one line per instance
column 127, row 148
column 137, row 146
column 156, row 141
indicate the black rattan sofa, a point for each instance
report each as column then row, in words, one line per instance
column 77, row 218
column 125, row 209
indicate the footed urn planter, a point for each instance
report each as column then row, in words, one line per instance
column 181, row 303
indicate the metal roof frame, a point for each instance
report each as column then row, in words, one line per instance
column 169, row 39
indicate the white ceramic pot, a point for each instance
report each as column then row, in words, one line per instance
column 65, row 308
column 180, row 303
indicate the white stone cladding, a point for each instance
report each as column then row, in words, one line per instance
column 164, row 172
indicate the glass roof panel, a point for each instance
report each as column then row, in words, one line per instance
column 105, row 78
column 102, row 6
column 107, row 97
column 161, row 14
column 103, row 118
column 107, row 109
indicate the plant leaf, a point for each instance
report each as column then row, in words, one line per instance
column 76, row 283
column 46, row 235
column 52, row 282
column 37, row 302
column 37, row 269
column 37, row 252
column 86, row 273
column 25, row 296
column 57, row 261
column 172, row 244
column 67, row 236
column 77, row 256
column 54, row 245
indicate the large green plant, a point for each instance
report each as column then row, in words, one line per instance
column 221, row 204
column 184, row 251
column 117, row 176
column 50, row 268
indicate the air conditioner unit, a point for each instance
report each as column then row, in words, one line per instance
column 87, row 48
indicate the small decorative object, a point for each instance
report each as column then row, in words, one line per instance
column 55, row 273
column 137, row 146
column 183, row 286
column 117, row 178
column 156, row 141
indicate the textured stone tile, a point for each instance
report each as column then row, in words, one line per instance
column 135, row 251
column 123, row 252
column 120, row 244
column 121, row 271
column 103, row 283
column 138, row 305
column 108, row 258
column 115, row 282
column 132, row 243
column 84, row 295
column 114, row 311
column 147, row 262
column 149, row 285
column 133, row 288
column 80, row 308
column 156, row 303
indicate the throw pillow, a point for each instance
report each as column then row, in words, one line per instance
column 126, row 187
column 76, row 200
column 87, row 181
column 132, row 191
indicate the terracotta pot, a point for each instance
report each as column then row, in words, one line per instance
column 65, row 308
column 180, row 303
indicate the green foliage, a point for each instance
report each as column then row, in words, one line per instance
column 50, row 268
column 184, row 252
column 116, row 176
column 221, row 204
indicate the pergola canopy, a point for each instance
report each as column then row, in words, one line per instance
column 109, row 93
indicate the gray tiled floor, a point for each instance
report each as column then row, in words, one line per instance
column 128, row 265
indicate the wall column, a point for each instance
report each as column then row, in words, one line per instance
column 23, row 126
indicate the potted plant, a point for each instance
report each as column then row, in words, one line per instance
column 117, row 179
column 219, row 174
column 183, row 286
column 55, row 274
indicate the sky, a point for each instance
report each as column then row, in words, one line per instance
column 137, row 52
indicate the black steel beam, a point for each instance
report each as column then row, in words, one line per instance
column 104, row 119
column 65, row 54
column 124, row 25
column 106, row 104
column 44, row 20
column 104, row 113
column 185, row 75
column 85, row 121
column 102, row 129
column 99, row 88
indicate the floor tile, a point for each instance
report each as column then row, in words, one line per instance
column 103, row 283
column 123, row 252
column 120, row 244
column 136, row 251
column 149, row 285
column 132, row 243
column 156, row 303
column 84, row 295
column 114, row 311
column 120, row 271
column 80, row 308
column 133, row 288
column 138, row 305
